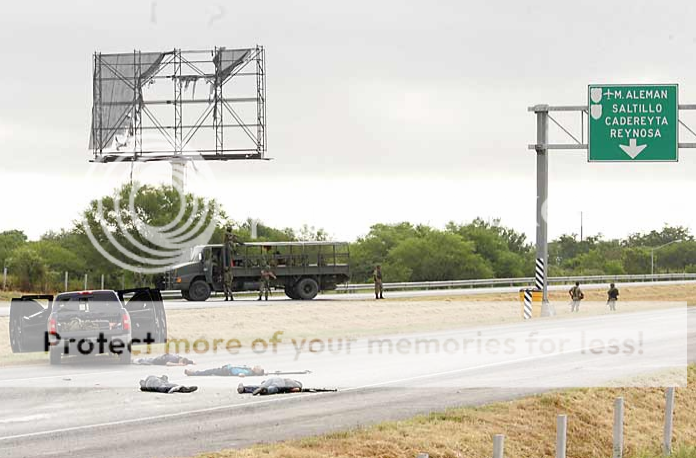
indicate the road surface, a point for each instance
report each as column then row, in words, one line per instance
column 92, row 407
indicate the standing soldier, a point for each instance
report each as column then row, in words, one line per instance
column 377, row 275
column 612, row 297
column 265, row 281
column 230, row 240
column 227, row 284
column 576, row 295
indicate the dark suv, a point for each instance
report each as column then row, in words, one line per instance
column 87, row 322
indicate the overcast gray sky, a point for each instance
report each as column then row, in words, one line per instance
column 378, row 111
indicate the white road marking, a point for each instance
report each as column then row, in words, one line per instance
column 57, row 376
column 25, row 418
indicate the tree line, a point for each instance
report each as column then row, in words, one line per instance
column 407, row 252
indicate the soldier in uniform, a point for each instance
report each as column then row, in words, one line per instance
column 377, row 275
column 265, row 281
column 612, row 297
column 227, row 283
column 576, row 295
column 230, row 240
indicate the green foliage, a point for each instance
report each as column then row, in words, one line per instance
column 407, row 252
column 657, row 238
column 29, row 267
column 436, row 256
column 373, row 249
column 503, row 248
column 9, row 240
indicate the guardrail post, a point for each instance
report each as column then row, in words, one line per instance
column 669, row 418
column 66, row 281
column 85, row 282
column 498, row 445
column 102, row 281
column 561, row 431
column 618, row 428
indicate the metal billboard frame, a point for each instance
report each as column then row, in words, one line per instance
column 181, row 67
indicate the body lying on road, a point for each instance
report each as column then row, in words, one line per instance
column 166, row 359
column 277, row 385
column 230, row 370
column 162, row 385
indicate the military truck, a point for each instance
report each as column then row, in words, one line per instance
column 302, row 268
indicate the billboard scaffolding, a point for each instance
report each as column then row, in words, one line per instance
column 179, row 105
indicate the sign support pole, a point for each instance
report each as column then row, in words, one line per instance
column 542, row 175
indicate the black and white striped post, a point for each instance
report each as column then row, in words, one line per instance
column 527, row 304
column 540, row 274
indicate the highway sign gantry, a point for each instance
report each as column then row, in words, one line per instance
column 633, row 123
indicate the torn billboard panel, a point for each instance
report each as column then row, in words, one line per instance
column 118, row 80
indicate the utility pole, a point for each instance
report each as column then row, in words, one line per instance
column 542, row 175
column 581, row 227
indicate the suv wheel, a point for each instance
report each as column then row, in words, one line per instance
column 16, row 335
column 199, row 291
column 54, row 354
column 307, row 289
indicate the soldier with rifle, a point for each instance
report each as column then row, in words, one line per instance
column 265, row 281
column 278, row 385
column 377, row 275
column 576, row 295
column 612, row 297
column 227, row 283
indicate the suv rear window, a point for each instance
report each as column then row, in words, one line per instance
column 85, row 302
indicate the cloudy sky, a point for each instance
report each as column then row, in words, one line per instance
column 378, row 111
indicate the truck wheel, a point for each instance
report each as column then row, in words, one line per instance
column 307, row 289
column 291, row 293
column 185, row 294
column 54, row 355
column 199, row 291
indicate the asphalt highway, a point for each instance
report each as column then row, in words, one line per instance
column 92, row 407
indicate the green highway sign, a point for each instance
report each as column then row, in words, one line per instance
column 636, row 123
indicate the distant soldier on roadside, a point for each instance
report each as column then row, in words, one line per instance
column 576, row 295
column 265, row 281
column 227, row 283
column 612, row 297
column 377, row 275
